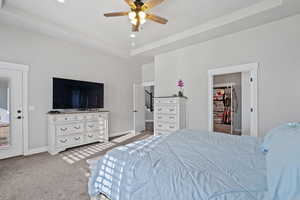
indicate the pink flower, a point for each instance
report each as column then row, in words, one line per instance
column 180, row 83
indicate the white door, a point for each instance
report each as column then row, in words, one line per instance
column 138, row 108
column 246, row 103
column 11, row 119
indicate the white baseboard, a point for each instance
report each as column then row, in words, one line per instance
column 36, row 151
column 120, row 133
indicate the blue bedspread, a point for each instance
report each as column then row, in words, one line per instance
column 184, row 165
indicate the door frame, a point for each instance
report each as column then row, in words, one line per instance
column 253, row 69
column 25, row 128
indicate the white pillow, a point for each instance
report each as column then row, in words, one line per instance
column 282, row 147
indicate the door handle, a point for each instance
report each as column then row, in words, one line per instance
column 19, row 111
column 19, row 117
column 135, row 111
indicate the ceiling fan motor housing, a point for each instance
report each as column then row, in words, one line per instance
column 138, row 3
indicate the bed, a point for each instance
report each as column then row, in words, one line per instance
column 185, row 165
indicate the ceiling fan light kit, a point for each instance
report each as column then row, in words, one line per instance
column 138, row 15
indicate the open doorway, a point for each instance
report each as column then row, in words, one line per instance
column 143, row 103
column 233, row 100
column 227, row 101
column 149, row 108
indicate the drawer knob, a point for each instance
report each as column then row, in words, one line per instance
column 90, row 126
column 172, row 126
column 171, row 117
column 159, row 125
column 77, row 127
column 171, row 110
column 90, row 136
column 63, row 141
column 77, row 138
column 63, row 129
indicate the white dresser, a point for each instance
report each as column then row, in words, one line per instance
column 73, row 129
column 169, row 114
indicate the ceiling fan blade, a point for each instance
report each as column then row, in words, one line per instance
column 151, row 3
column 157, row 19
column 135, row 28
column 116, row 14
column 130, row 3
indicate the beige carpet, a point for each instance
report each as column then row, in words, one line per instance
column 46, row 177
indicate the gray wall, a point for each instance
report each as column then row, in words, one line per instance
column 275, row 46
column 49, row 57
column 148, row 72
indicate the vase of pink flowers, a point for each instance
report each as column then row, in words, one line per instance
column 180, row 84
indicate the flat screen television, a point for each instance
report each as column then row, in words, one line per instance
column 73, row 94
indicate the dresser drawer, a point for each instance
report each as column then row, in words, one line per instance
column 158, row 132
column 98, row 116
column 172, row 127
column 62, row 130
column 69, row 140
column 65, row 118
column 91, row 137
column 166, row 126
column 95, row 136
column 166, row 118
column 77, row 139
column 166, row 101
column 63, row 141
column 166, row 109
column 69, row 118
column 160, row 126
column 94, row 126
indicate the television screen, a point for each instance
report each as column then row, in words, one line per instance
column 73, row 94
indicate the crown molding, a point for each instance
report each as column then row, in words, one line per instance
column 10, row 15
column 211, row 25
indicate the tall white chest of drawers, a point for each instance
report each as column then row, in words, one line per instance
column 169, row 114
column 68, row 130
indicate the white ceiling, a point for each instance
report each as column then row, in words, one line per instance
column 84, row 20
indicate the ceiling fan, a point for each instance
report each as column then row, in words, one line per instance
column 138, row 15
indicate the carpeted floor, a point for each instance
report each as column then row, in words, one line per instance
column 46, row 177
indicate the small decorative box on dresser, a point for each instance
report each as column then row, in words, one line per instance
column 67, row 130
column 169, row 114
